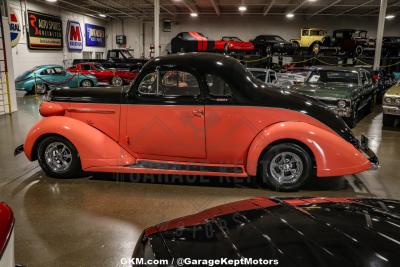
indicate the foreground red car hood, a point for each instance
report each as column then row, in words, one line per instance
column 6, row 225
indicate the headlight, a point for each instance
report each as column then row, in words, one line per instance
column 342, row 104
column 397, row 101
column 388, row 100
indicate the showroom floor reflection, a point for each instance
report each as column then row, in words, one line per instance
column 100, row 217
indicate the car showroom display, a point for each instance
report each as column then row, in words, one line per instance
column 6, row 236
column 283, row 231
column 271, row 44
column 345, row 90
column 291, row 137
column 114, row 77
column 42, row 78
column 391, row 105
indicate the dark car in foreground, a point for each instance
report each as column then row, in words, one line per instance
column 285, row 232
column 344, row 90
column 270, row 44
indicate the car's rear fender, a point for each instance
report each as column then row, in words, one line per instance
column 95, row 148
column 333, row 155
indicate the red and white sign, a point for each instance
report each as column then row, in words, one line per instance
column 74, row 36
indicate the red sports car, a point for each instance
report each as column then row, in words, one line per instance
column 195, row 114
column 6, row 236
column 103, row 75
column 228, row 43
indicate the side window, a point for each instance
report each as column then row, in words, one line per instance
column 48, row 72
column 272, row 76
column 85, row 67
column 364, row 79
column 305, row 33
column 169, row 83
column 217, row 86
column 113, row 54
column 261, row 75
column 59, row 70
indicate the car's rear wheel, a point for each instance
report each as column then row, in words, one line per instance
column 117, row 81
column 86, row 83
column 286, row 167
column 59, row 158
column 359, row 50
column 388, row 120
column 40, row 88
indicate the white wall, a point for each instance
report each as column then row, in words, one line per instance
column 247, row 27
column 24, row 58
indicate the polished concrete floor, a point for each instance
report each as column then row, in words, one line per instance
column 96, row 221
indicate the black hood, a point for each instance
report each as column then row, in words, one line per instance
column 296, row 232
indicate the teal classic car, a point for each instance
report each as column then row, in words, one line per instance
column 345, row 90
column 42, row 78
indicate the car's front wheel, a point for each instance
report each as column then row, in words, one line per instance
column 117, row 81
column 86, row 83
column 59, row 158
column 286, row 167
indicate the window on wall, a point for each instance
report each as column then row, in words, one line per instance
column 87, row 55
column 99, row 55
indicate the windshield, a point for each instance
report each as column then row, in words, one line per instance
column 275, row 38
column 233, row 39
column 99, row 67
column 333, row 76
column 302, row 72
column 126, row 54
column 361, row 34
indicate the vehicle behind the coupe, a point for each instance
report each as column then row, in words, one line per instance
column 391, row 105
column 229, row 44
column 271, row 44
column 195, row 114
column 284, row 232
column 42, row 78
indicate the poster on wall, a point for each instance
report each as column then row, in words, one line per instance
column 15, row 28
column 44, row 31
column 74, row 36
column 95, row 35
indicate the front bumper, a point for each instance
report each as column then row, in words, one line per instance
column 341, row 112
column 372, row 157
column 391, row 110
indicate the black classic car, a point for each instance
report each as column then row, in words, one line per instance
column 391, row 46
column 345, row 90
column 350, row 41
column 270, row 44
column 285, row 232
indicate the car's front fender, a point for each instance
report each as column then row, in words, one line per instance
column 94, row 147
column 333, row 155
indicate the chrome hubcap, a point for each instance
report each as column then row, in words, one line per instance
column 58, row 157
column 286, row 168
column 86, row 84
column 117, row 81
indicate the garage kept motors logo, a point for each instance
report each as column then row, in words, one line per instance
column 74, row 36
column 44, row 31
column 95, row 35
column 15, row 28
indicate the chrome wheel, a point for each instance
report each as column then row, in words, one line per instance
column 286, row 168
column 86, row 83
column 117, row 81
column 58, row 157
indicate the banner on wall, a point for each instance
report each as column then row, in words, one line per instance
column 15, row 28
column 95, row 35
column 74, row 36
column 44, row 31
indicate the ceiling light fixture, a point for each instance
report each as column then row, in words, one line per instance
column 103, row 15
column 312, row 1
column 194, row 14
column 390, row 16
column 51, row 1
column 242, row 8
column 290, row 15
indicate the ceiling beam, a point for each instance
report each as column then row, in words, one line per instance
column 78, row 6
column 377, row 9
column 325, row 8
column 268, row 7
column 353, row 8
column 299, row 6
column 215, row 6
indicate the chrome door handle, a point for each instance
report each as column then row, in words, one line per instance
column 198, row 112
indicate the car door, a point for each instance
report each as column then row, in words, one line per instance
column 47, row 77
column 165, row 115
column 59, row 76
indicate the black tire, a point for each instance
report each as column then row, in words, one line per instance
column 359, row 50
column 82, row 84
column 117, row 81
column 315, row 48
column 73, row 171
column 273, row 154
column 40, row 90
column 388, row 120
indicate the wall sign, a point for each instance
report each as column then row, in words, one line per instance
column 74, row 36
column 95, row 35
column 15, row 28
column 44, row 31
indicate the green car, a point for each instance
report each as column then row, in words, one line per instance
column 391, row 105
column 42, row 78
column 344, row 90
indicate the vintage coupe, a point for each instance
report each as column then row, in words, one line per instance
column 391, row 105
column 284, row 232
column 42, row 78
column 6, row 236
column 194, row 114
column 103, row 75
column 232, row 44
column 271, row 44
column 345, row 90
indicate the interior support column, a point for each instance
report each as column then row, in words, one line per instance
column 156, row 28
column 379, row 35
